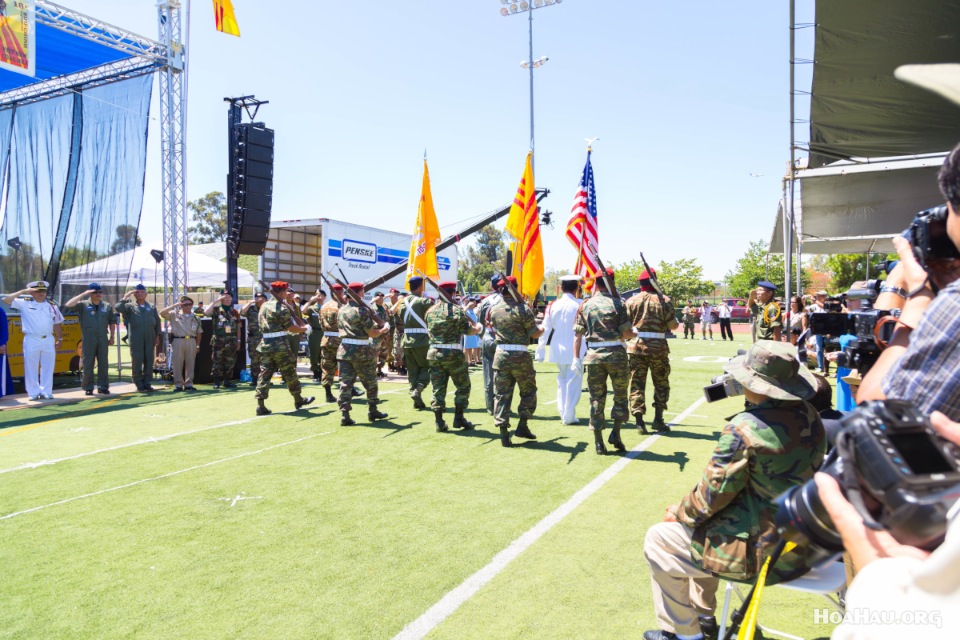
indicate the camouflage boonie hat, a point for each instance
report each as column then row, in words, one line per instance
column 772, row 369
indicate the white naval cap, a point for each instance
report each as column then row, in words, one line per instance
column 570, row 278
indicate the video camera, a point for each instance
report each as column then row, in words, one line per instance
column 899, row 473
column 928, row 236
column 723, row 386
column 861, row 353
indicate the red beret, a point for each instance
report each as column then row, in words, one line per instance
column 279, row 284
column 356, row 286
column 392, row 290
column 512, row 279
column 336, row 287
column 448, row 284
column 647, row 274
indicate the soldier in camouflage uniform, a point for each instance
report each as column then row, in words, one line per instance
column 251, row 311
column 311, row 314
column 513, row 324
column 488, row 344
column 226, row 322
column 393, row 298
column 397, row 312
column 650, row 351
column 447, row 324
column 331, row 339
column 769, row 321
column 294, row 338
column 385, row 342
column 276, row 321
column 725, row 527
column 602, row 320
column 689, row 319
column 415, row 340
column 357, row 356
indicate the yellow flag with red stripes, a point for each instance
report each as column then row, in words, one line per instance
column 523, row 224
column 226, row 18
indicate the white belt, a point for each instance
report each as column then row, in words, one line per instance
column 355, row 341
column 651, row 335
column 512, row 347
column 331, row 334
column 414, row 330
column 447, row 346
column 600, row 345
column 274, row 334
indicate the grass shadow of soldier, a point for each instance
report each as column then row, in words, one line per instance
column 690, row 435
column 392, row 426
column 679, row 458
column 552, row 445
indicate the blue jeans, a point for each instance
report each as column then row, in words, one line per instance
column 820, row 353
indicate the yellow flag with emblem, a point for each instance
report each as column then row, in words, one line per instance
column 523, row 224
column 426, row 235
column 225, row 17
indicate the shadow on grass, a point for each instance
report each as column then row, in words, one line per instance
column 553, row 445
column 691, row 435
column 392, row 426
column 679, row 458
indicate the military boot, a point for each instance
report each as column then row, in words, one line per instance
column 523, row 431
column 460, row 422
column 614, row 438
column 374, row 414
column 505, row 436
column 598, row 440
column 417, row 396
column 229, row 385
column 641, row 427
column 262, row 408
column 346, row 420
column 216, row 383
column 441, row 425
column 300, row 402
column 658, row 422
column 709, row 628
column 329, row 394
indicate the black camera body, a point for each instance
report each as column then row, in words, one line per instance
column 862, row 353
column 908, row 478
column 928, row 236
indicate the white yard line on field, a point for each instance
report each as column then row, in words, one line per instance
column 166, row 475
column 452, row 601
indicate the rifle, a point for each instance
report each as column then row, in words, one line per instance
column 512, row 288
column 358, row 299
column 297, row 320
column 653, row 279
column 611, row 287
column 443, row 294
column 329, row 286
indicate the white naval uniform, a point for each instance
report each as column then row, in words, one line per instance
column 39, row 344
column 558, row 320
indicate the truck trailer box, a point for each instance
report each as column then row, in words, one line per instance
column 298, row 250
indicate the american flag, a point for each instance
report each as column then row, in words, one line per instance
column 582, row 227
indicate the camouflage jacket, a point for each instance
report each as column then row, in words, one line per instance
column 762, row 452
column 384, row 314
column 768, row 318
column 689, row 314
column 353, row 322
column 329, row 314
column 447, row 324
column 414, row 305
column 274, row 317
column 312, row 316
column 602, row 318
column 648, row 315
column 226, row 321
column 513, row 323
column 253, row 323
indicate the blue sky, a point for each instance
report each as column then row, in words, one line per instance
column 688, row 99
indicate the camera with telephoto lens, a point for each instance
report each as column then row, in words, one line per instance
column 900, row 475
column 723, row 386
column 862, row 352
column 928, row 236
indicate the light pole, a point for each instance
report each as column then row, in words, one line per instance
column 510, row 7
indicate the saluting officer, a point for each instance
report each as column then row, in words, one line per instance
column 42, row 325
column 185, row 332
column 96, row 320
column 416, row 342
column 226, row 322
column 357, row 356
column 311, row 314
column 251, row 311
column 767, row 312
column 143, row 334
column 447, row 324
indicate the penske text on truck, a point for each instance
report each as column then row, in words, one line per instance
column 297, row 250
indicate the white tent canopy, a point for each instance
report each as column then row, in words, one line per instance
column 138, row 266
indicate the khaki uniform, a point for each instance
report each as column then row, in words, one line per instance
column 185, row 330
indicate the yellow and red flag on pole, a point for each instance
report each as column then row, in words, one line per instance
column 226, row 18
column 426, row 234
column 523, row 223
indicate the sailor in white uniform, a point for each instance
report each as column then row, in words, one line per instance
column 558, row 334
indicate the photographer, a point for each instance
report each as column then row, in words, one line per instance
column 725, row 527
column 892, row 578
column 922, row 360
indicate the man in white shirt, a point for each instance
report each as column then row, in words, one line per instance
column 558, row 333
column 724, row 313
column 42, row 325
column 706, row 320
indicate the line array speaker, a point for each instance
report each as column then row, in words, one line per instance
column 252, row 164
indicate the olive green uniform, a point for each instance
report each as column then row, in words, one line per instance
column 416, row 342
column 254, row 336
column 312, row 318
column 768, row 318
column 143, row 329
column 95, row 321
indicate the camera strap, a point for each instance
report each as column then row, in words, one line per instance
column 848, row 480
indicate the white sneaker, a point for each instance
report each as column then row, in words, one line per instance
column 34, row 398
column 46, row 396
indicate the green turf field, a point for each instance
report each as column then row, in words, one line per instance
column 184, row 516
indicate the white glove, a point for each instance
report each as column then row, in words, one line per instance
column 308, row 331
column 578, row 366
column 541, row 354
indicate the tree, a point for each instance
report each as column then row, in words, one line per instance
column 683, row 279
column 209, row 215
column 480, row 261
column 756, row 265
column 126, row 239
column 845, row 269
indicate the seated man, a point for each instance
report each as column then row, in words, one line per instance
column 725, row 527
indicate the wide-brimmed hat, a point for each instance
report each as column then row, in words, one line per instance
column 771, row 368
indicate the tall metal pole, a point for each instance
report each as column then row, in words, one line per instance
column 533, row 158
column 791, row 174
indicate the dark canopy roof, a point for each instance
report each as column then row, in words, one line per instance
column 858, row 109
